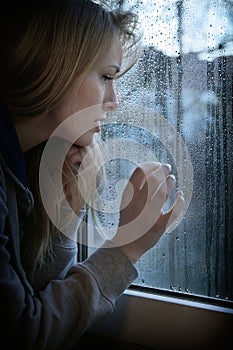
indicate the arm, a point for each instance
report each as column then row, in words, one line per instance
column 56, row 317
column 12, row 293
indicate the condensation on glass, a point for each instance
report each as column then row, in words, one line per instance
column 184, row 79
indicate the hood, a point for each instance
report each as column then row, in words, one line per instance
column 10, row 148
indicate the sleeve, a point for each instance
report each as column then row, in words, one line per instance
column 12, row 294
column 57, row 317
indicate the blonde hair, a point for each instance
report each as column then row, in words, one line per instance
column 49, row 45
column 60, row 41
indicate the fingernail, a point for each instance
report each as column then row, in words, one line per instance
column 172, row 177
column 169, row 166
column 181, row 193
column 170, row 182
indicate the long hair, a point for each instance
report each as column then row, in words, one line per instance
column 46, row 46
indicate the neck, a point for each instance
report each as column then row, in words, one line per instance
column 30, row 132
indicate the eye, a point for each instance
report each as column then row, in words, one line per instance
column 107, row 77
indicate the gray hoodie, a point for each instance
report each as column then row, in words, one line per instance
column 52, row 309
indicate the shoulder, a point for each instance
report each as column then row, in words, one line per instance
column 3, row 198
column 2, row 179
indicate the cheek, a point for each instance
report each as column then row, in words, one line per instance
column 92, row 95
column 85, row 140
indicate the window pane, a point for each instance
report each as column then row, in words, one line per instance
column 177, row 108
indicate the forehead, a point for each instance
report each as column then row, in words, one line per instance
column 113, row 56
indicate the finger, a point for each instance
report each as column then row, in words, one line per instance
column 160, row 187
column 159, row 174
column 136, row 181
column 168, row 220
column 142, row 173
column 175, row 215
column 155, row 178
column 75, row 154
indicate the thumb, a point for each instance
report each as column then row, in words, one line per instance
column 175, row 215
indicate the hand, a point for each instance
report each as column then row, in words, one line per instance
column 142, row 219
column 75, row 155
column 72, row 162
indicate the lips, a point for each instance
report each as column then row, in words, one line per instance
column 98, row 124
column 97, row 128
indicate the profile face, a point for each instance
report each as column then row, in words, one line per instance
column 90, row 102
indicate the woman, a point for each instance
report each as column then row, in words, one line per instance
column 60, row 58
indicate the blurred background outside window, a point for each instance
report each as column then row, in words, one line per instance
column 177, row 107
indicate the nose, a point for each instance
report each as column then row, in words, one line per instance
column 111, row 102
column 111, row 106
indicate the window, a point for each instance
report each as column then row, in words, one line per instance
column 177, row 107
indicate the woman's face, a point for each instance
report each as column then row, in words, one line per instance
column 81, row 111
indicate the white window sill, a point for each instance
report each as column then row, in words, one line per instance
column 163, row 322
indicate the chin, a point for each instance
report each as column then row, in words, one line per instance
column 85, row 140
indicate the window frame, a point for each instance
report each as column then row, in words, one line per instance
column 167, row 322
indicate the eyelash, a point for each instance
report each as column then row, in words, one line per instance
column 107, row 77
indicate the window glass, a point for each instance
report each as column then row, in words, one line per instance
column 177, row 107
